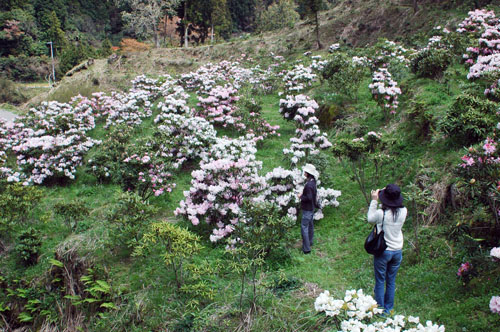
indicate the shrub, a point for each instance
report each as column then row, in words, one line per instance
column 343, row 74
column 431, row 62
column 25, row 68
column 72, row 212
column 469, row 119
column 105, row 162
column 18, row 201
column 278, row 15
column 360, row 154
column 129, row 219
column 422, row 118
column 264, row 230
column 179, row 246
column 28, row 246
column 9, row 93
column 132, row 45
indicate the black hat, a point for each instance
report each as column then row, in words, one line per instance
column 391, row 196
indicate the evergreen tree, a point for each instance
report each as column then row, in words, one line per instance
column 106, row 48
column 311, row 9
column 220, row 19
column 54, row 33
column 242, row 14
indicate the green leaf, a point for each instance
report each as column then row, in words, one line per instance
column 55, row 262
column 25, row 317
column 103, row 286
column 108, row 305
column 90, row 300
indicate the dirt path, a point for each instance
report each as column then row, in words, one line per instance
column 7, row 116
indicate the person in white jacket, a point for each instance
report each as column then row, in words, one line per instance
column 390, row 218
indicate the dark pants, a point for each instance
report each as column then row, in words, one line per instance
column 307, row 230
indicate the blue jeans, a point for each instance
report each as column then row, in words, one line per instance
column 386, row 267
column 307, row 230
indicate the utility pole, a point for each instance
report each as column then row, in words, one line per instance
column 52, row 57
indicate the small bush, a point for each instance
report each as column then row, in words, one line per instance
column 105, row 162
column 26, row 69
column 469, row 120
column 343, row 75
column 431, row 62
column 72, row 212
column 9, row 93
column 422, row 119
column 129, row 219
column 28, row 246
column 132, row 45
column 16, row 204
column 327, row 114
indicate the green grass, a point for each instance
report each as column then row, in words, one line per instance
column 427, row 286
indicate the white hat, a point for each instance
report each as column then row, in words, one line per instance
column 308, row 168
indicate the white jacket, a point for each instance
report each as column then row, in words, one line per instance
column 392, row 228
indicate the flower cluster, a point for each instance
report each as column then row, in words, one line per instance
column 180, row 138
column 354, row 304
column 389, row 51
column 495, row 304
column 49, row 142
column 118, row 108
column 297, row 79
column 356, row 311
column 218, row 107
column 227, row 174
column 281, row 190
column 484, row 157
column 485, row 64
column 464, row 269
column 333, row 47
column 495, row 253
column 146, row 175
column 384, row 90
column 308, row 138
column 477, row 21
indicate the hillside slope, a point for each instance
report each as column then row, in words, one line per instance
column 354, row 22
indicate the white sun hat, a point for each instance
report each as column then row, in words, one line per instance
column 309, row 168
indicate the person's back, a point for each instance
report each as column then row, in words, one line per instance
column 393, row 222
column 390, row 218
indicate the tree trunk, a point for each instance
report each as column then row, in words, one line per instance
column 415, row 6
column 186, row 26
column 317, row 30
column 212, row 34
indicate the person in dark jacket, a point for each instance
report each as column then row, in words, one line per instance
column 308, row 202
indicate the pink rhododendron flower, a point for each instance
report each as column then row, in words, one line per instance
column 464, row 268
column 495, row 304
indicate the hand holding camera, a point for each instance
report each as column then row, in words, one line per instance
column 374, row 194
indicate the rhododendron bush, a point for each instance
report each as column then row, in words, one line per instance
column 298, row 79
column 357, row 312
column 227, row 174
column 181, row 138
column 49, row 142
column 385, row 91
column 479, row 169
column 146, row 175
column 308, row 138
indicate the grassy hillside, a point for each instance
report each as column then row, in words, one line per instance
column 79, row 253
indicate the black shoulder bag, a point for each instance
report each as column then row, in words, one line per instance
column 375, row 242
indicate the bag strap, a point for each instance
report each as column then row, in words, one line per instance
column 383, row 218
